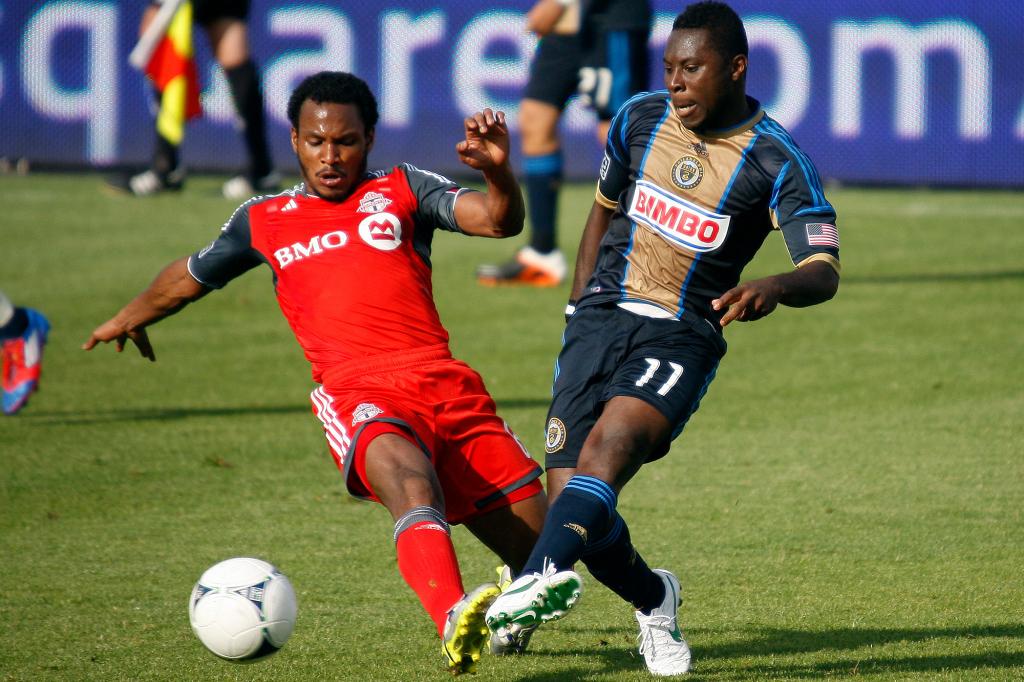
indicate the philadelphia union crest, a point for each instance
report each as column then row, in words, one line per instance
column 555, row 440
column 687, row 172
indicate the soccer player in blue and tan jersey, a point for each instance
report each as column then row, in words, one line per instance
column 694, row 178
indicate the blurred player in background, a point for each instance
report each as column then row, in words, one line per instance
column 693, row 180
column 597, row 48
column 408, row 425
column 225, row 26
column 23, row 334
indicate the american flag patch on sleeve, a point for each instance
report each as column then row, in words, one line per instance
column 822, row 234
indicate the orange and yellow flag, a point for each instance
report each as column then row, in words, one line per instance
column 172, row 68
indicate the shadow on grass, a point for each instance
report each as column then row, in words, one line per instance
column 614, row 659
column 772, row 642
column 867, row 665
column 769, row 643
column 781, row 641
column 158, row 414
column 928, row 278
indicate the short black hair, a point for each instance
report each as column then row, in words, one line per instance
column 334, row 87
column 723, row 25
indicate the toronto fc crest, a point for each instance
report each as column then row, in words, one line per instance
column 373, row 202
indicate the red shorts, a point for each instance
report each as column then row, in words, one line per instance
column 442, row 405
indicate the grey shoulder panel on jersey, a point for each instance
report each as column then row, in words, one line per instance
column 229, row 255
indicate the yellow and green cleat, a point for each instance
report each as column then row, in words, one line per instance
column 466, row 633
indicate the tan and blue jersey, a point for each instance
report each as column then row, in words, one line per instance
column 691, row 210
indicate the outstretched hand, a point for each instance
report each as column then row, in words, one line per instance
column 486, row 145
column 111, row 330
column 749, row 301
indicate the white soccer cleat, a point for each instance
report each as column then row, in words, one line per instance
column 661, row 642
column 509, row 644
column 532, row 599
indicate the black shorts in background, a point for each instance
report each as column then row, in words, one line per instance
column 205, row 12
column 554, row 72
column 610, row 352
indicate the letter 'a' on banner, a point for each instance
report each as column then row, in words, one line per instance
column 165, row 53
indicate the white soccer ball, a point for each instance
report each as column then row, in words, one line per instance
column 242, row 608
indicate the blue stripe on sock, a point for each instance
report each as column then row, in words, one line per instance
column 595, row 487
column 548, row 164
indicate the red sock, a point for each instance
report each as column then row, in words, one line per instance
column 426, row 559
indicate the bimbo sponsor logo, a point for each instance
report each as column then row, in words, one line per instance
column 319, row 244
column 678, row 220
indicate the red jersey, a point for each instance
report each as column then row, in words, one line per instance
column 352, row 277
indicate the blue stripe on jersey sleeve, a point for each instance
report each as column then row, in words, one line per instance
column 616, row 142
column 650, row 143
column 773, row 203
column 621, row 156
column 620, row 123
column 826, row 208
column 736, row 173
column 771, row 128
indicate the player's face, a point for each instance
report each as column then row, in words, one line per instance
column 705, row 87
column 332, row 144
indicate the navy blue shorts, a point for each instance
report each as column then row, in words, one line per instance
column 610, row 352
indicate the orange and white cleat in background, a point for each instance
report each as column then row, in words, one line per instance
column 529, row 268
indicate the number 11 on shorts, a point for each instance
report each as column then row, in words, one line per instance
column 653, row 366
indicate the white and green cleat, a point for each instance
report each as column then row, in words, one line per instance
column 465, row 633
column 533, row 599
column 509, row 645
column 661, row 642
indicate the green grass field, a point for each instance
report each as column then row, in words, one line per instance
column 846, row 504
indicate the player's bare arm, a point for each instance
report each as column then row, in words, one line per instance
column 171, row 291
column 586, row 258
column 807, row 285
column 500, row 211
column 544, row 15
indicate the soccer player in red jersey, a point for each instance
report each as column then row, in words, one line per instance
column 408, row 425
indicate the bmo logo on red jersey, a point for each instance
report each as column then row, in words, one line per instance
column 381, row 231
column 319, row 244
column 678, row 220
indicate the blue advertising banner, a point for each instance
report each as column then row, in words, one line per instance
column 876, row 91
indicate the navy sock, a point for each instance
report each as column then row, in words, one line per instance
column 580, row 512
column 244, row 81
column 543, row 180
column 615, row 562
column 16, row 326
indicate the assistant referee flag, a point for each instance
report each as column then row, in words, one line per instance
column 172, row 68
